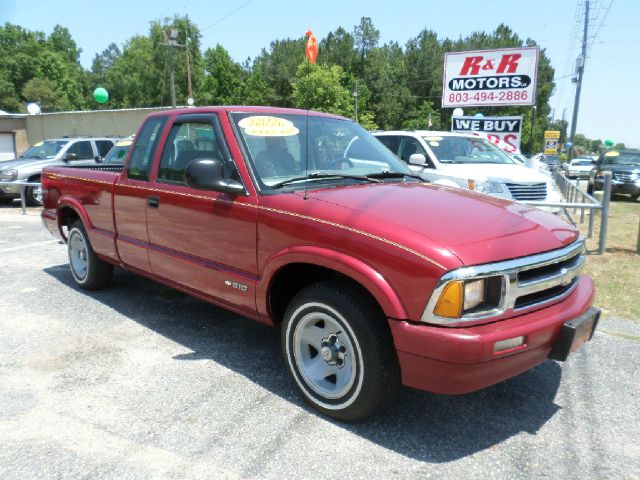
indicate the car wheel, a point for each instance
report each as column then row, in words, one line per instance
column 88, row 270
column 634, row 196
column 33, row 196
column 339, row 351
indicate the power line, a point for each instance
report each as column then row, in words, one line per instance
column 227, row 15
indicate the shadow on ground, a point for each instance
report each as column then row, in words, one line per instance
column 423, row 426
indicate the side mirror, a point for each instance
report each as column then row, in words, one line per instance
column 207, row 174
column 69, row 157
column 418, row 159
column 97, row 159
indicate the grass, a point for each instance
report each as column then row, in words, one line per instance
column 617, row 272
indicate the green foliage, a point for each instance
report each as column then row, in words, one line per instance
column 223, row 84
column 319, row 87
column 398, row 86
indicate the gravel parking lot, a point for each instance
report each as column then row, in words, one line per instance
column 140, row 381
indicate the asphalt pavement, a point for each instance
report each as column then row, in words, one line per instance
column 140, row 381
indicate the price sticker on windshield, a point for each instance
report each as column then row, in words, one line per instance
column 265, row 126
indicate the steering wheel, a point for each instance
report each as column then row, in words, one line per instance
column 336, row 163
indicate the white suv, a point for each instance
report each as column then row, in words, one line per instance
column 468, row 161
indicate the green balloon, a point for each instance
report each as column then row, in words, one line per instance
column 609, row 143
column 101, row 95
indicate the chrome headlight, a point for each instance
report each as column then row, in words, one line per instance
column 8, row 174
column 488, row 186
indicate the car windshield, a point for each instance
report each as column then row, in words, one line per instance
column 44, row 150
column 582, row 163
column 118, row 154
column 622, row 158
column 284, row 148
column 453, row 149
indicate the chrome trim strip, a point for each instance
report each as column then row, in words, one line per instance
column 512, row 289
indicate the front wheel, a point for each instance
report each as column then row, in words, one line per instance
column 33, row 195
column 339, row 351
column 88, row 270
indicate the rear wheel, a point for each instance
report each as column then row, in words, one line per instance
column 88, row 270
column 339, row 351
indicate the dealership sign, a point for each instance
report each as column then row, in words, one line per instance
column 505, row 132
column 490, row 78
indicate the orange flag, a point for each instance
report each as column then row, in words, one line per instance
column 312, row 47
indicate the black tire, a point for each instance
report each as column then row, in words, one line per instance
column 33, row 195
column 634, row 196
column 362, row 330
column 97, row 273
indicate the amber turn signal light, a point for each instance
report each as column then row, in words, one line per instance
column 450, row 303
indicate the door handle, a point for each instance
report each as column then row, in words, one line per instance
column 153, row 201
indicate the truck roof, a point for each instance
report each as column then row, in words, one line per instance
column 245, row 109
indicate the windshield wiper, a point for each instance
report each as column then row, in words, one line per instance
column 388, row 174
column 321, row 175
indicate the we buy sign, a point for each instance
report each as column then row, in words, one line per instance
column 504, row 132
column 485, row 78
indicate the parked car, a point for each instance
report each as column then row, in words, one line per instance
column 579, row 167
column 468, row 161
column 118, row 154
column 552, row 161
column 304, row 221
column 56, row 151
column 624, row 166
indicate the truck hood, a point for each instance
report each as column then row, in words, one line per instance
column 26, row 163
column 474, row 227
column 504, row 173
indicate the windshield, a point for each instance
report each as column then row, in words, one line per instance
column 278, row 149
column 582, row 163
column 44, row 150
column 622, row 158
column 118, row 154
column 452, row 149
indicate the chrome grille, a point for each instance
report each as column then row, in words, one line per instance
column 624, row 176
column 528, row 283
column 528, row 191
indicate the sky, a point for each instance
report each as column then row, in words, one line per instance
column 609, row 105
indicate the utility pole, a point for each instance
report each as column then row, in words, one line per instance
column 171, row 41
column 580, row 73
column 355, row 101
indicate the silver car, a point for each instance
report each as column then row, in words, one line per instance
column 56, row 151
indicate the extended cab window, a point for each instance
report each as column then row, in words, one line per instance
column 188, row 141
column 145, row 148
column 82, row 150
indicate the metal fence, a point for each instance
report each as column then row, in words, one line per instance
column 577, row 199
column 23, row 191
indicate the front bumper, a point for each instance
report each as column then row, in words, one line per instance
column 9, row 190
column 618, row 186
column 461, row 360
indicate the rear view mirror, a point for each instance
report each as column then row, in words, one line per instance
column 207, row 174
column 417, row 159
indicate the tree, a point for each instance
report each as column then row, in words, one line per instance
column 224, row 80
column 278, row 67
column 319, row 87
column 44, row 92
column 366, row 36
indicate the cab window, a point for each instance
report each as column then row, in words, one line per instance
column 189, row 141
column 144, row 149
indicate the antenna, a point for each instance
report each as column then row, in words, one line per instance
column 306, row 160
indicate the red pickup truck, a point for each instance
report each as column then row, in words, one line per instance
column 304, row 221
